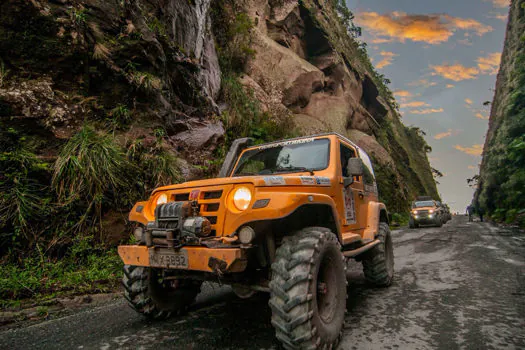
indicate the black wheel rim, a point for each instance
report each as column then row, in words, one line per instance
column 327, row 290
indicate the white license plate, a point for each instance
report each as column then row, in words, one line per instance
column 168, row 259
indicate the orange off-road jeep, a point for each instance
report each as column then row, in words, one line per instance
column 282, row 218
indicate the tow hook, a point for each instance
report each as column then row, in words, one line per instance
column 218, row 266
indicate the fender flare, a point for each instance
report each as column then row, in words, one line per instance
column 377, row 213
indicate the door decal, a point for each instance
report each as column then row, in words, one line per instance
column 348, row 195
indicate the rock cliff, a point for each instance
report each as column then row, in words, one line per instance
column 185, row 77
column 501, row 182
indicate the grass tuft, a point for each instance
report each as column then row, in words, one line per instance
column 92, row 167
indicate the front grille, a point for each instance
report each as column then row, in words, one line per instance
column 211, row 203
column 212, row 207
column 213, row 219
column 212, row 194
column 181, row 197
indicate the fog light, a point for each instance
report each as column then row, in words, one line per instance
column 138, row 233
column 431, row 216
column 246, row 234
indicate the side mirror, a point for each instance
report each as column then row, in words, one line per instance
column 235, row 150
column 355, row 167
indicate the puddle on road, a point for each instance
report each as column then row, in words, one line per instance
column 480, row 245
column 514, row 262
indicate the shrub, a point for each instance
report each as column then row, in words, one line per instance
column 92, row 168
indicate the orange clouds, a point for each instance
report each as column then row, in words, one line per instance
column 414, row 104
column 501, row 3
column 475, row 150
column 432, row 29
column 402, row 93
column 450, row 86
column 423, row 83
column 455, row 72
column 427, row 111
column 481, row 116
column 443, row 135
column 387, row 59
column 489, row 64
column 468, row 101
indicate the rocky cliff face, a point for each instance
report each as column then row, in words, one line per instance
column 150, row 69
column 501, row 184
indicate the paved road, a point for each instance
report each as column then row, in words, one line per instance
column 459, row 286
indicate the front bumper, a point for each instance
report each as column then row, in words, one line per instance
column 425, row 220
column 216, row 260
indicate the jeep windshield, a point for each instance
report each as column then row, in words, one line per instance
column 285, row 157
column 423, row 204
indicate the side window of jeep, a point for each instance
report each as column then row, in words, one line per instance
column 346, row 153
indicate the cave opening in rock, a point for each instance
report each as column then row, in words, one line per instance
column 369, row 100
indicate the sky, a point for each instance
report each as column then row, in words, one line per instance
column 442, row 58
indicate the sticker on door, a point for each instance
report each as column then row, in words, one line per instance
column 348, row 195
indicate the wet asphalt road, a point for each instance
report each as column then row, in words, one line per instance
column 461, row 286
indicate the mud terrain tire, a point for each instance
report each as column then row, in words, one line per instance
column 378, row 262
column 308, row 290
column 157, row 300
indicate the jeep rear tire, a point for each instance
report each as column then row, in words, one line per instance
column 378, row 262
column 157, row 299
column 308, row 290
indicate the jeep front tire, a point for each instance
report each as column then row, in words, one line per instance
column 147, row 294
column 378, row 262
column 308, row 290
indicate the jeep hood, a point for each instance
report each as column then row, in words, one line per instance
column 258, row 181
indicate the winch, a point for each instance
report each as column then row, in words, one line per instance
column 177, row 224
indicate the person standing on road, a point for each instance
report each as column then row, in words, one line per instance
column 470, row 211
column 480, row 213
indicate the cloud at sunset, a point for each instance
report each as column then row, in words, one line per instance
column 455, row 72
column 490, row 63
column 422, row 83
column 414, row 104
column 468, row 101
column 431, row 29
column 402, row 93
column 443, row 135
column 450, row 86
column 475, row 150
column 500, row 3
column 481, row 116
column 427, row 111
column 387, row 58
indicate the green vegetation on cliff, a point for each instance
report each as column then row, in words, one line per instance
column 501, row 191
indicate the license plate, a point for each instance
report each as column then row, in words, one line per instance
column 168, row 259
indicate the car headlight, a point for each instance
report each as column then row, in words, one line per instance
column 414, row 212
column 162, row 199
column 431, row 211
column 242, row 198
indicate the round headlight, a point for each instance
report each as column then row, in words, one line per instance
column 414, row 211
column 242, row 198
column 162, row 199
column 431, row 211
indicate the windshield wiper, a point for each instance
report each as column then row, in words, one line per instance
column 292, row 169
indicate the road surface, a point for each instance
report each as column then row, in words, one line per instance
column 461, row 286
